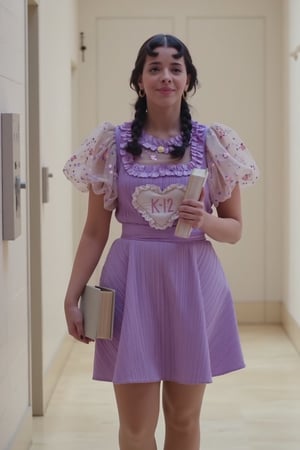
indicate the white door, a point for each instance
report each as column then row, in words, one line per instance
column 235, row 46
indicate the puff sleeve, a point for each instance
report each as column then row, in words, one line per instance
column 229, row 162
column 94, row 164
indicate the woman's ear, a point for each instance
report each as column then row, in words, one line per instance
column 140, row 83
column 188, row 80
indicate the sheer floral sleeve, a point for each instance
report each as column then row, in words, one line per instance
column 229, row 162
column 94, row 164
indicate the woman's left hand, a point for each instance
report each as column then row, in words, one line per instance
column 193, row 211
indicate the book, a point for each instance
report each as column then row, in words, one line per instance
column 196, row 182
column 97, row 305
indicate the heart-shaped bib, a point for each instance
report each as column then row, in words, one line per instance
column 159, row 208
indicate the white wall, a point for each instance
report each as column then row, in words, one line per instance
column 291, row 152
column 14, row 334
column 58, row 49
column 240, row 68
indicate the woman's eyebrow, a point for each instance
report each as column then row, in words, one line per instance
column 157, row 63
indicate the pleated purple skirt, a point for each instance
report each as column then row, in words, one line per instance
column 174, row 317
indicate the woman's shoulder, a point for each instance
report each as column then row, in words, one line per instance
column 198, row 127
column 223, row 136
column 216, row 128
column 198, row 134
column 94, row 164
column 125, row 126
column 103, row 132
column 229, row 162
column 221, row 130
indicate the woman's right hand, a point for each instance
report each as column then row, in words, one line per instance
column 75, row 323
column 89, row 251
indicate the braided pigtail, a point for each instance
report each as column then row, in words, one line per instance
column 137, row 125
column 149, row 49
column 186, row 130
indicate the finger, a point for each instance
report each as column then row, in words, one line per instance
column 80, row 334
column 75, row 331
column 187, row 211
column 81, row 337
column 190, row 218
column 85, row 339
column 79, row 329
column 193, row 203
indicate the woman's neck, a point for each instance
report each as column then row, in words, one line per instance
column 162, row 123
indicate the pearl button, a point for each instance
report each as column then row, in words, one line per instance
column 160, row 149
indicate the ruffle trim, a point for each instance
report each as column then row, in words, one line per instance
column 152, row 142
column 161, row 170
column 229, row 161
column 94, row 164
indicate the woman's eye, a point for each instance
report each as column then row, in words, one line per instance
column 175, row 70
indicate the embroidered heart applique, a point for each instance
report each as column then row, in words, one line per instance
column 159, row 208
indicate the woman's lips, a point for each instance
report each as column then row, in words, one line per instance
column 165, row 91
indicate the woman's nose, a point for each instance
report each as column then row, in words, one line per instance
column 166, row 76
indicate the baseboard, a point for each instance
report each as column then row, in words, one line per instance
column 258, row 312
column 23, row 436
column 54, row 371
column 291, row 327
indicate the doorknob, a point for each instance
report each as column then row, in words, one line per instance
column 45, row 184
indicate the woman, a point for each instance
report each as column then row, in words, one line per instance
column 175, row 325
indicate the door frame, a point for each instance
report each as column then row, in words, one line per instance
column 35, row 202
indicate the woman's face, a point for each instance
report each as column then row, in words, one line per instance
column 164, row 78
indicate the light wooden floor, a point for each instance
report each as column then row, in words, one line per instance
column 254, row 409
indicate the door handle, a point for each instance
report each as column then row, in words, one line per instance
column 45, row 184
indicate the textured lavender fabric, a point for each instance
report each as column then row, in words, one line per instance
column 175, row 318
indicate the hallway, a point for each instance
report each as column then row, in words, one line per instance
column 255, row 409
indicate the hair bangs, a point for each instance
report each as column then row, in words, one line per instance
column 164, row 40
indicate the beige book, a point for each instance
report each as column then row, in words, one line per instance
column 196, row 182
column 97, row 305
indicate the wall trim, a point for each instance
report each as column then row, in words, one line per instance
column 291, row 327
column 54, row 371
column 258, row 312
column 23, row 436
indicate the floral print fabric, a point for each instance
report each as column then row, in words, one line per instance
column 95, row 163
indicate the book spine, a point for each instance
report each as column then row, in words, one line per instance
column 196, row 182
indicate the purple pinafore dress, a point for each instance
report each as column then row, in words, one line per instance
column 174, row 316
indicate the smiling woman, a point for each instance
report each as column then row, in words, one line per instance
column 174, row 321
column 164, row 69
column 163, row 78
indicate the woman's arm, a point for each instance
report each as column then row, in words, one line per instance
column 225, row 227
column 90, row 248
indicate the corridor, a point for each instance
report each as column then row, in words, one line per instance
column 254, row 409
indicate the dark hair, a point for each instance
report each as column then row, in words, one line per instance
column 148, row 49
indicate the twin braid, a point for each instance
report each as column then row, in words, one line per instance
column 137, row 126
column 186, row 130
column 138, row 123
